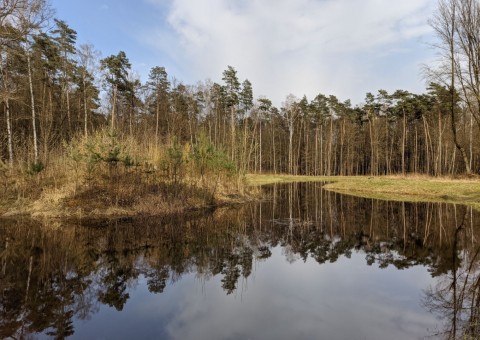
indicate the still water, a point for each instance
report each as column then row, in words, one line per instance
column 303, row 264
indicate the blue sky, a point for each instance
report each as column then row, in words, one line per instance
column 115, row 25
column 340, row 47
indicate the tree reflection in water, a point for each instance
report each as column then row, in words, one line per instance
column 51, row 276
column 456, row 296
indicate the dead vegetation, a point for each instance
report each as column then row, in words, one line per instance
column 106, row 176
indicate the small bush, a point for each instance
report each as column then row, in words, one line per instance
column 35, row 168
column 86, row 155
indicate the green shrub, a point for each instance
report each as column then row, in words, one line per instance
column 35, row 168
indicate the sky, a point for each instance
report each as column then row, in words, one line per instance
column 301, row 47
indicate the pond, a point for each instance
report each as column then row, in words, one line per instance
column 304, row 263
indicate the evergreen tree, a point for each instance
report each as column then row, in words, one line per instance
column 116, row 68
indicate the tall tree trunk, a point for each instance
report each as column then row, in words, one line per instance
column 65, row 93
column 243, row 157
column 290, row 148
column 157, row 114
column 452, row 93
column 131, row 116
column 114, row 103
column 274, row 151
column 322, row 166
column 415, row 152
column 308, row 154
column 387, row 153
column 232, row 131
column 316, row 152
column 329, row 154
column 252, row 145
column 216, row 125
column 46, row 123
column 457, row 144
column 8, row 119
column 69, row 114
column 85, row 108
column 439, row 147
column 32, row 102
column 9, row 133
column 471, row 140
column 342, row 141
column 260, row 148
column 404, row 137
column 190, row 127
column 427, row 146
column 372, row 148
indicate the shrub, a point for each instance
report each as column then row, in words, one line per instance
column 35, row 168
column 87, row 154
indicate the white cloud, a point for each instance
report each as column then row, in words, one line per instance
column 301, row 46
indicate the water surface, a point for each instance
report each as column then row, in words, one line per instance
column 303, row 264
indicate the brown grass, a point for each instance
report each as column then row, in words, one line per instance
column 73, row 186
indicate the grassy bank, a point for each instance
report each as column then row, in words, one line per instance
column 123, row 193
column 106, row 175
column 400, row 188
column 113, row 190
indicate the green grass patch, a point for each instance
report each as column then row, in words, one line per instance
column 399, row 188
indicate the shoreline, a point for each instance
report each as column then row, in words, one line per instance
column 410, row 188
column 100, row 203
column 414, row 188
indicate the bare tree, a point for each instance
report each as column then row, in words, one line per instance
column 292, row 112
column 20, row 20
column 453, row 43
column 88, row 59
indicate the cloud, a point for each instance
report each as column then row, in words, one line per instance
column 299, row 47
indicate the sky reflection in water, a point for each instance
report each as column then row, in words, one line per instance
column 343, row 300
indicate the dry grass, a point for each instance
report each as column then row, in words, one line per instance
column 81, row 180
column 413, row 188
column 128, row 195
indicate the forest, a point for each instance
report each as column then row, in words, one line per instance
column 67, row 111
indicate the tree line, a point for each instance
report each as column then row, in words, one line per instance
column 53, row 89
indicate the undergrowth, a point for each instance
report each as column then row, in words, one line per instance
column 105, row 174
